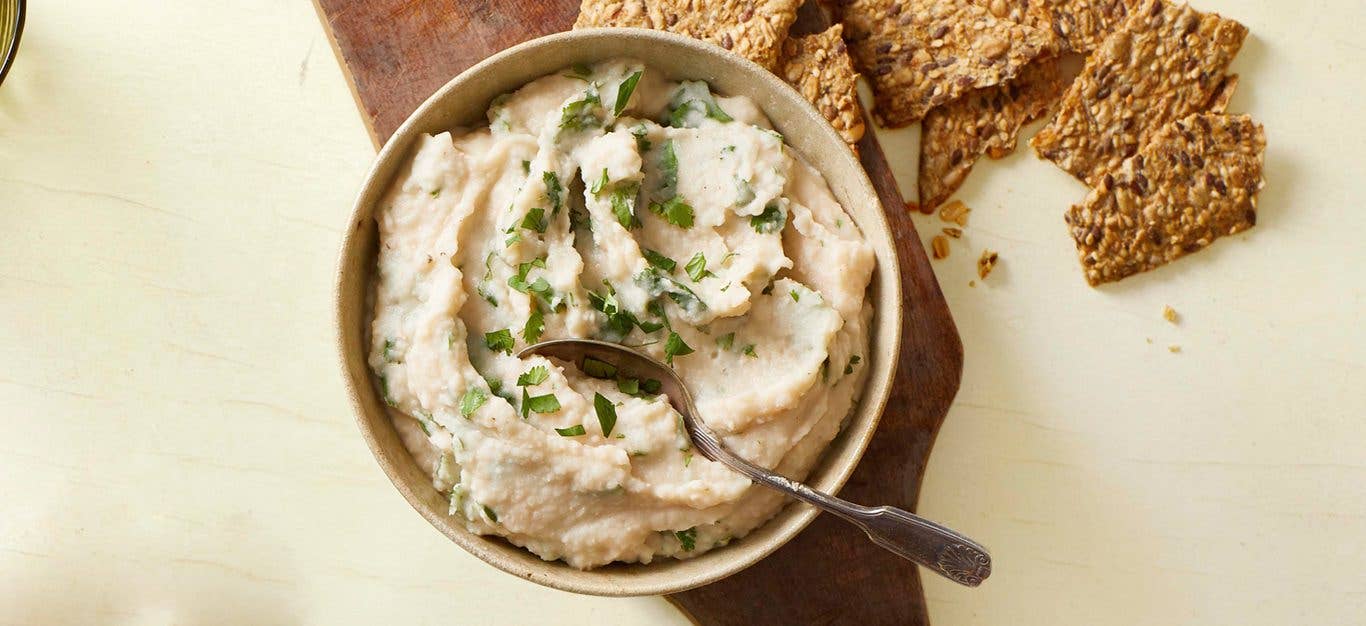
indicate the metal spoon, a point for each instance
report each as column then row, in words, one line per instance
column 943, row 550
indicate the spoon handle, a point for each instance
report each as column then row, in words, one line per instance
column 910, row 536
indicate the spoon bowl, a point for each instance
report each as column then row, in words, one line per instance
column 941, row 549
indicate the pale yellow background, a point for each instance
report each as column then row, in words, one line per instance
column 175, row 446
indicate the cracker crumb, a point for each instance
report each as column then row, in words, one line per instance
column 939, row 247
column 972, row 283
column 986, row 263
column 955, row 212
column 1169, row 314
column 956, row 233
column 1173, row 348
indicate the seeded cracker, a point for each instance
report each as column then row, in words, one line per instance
column 1196, row 181
column 1163, row 64
column 1084, row 24
column 820, row 68
column 754, row 29
column 986, row 121
column 920, row 54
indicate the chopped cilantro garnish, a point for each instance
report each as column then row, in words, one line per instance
column 675, row 346
column 535, row 220
column 726, row 341
column 691, row 102
column 553, row 191
column 580, row 71
column 658, row 260
column 796, row 297
column 500, row 341
column 749, row 351
column 623, row 200
column 642, row 144
column 491, row 515
column 853, row 360
column 674, row 211
column 533, row 376
column 598, row 368
column 624, row 92
column 495, row 385
column 629, row 386
column 744, row 193
column 687, row 538
column 607, row 413
column 389, row 354
column 581, row 114
column 658, row 284
column 771, row 220
column 687, row 457
column 572, row 431
column 668, row 171
column 650, row 385
column 697, row 267
column 600, row 183
column 384, row 391
column 526, row 166
column 535, row 325
column 436, row 192
column 483, row 286
column 547, row 403
column 474, row 398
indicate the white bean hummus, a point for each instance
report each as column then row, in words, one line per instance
column 612, row 203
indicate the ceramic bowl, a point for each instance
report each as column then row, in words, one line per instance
column 462, row 102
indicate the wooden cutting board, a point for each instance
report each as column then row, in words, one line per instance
column 397, row 52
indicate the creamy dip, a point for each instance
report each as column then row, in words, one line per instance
column 611, row 202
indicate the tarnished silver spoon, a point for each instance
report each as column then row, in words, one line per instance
column 941, row 549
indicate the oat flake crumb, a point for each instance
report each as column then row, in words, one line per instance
column 955, row 212
column 939, row 247
column 986, row 263
column 1173, row 348
column 956, row 233
column 1169, row 314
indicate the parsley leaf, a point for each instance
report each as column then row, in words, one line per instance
column 749, row 351
column 628, row 386
column 553, row 191
column 474, row 398
column 535, row 220
column 771, row 220
column 853, row 360
column 691, row 102
column 642, row 144
column 624, row 92
column 623, row 200
column 483, row 287
column 581, row 114
column 674, row 211
column 688, row 538
column 572, row 431
column 598, row 368
column 668, row 171
column 650, row 385
column 533, row 376
column 697, row 267
column 535, row 325
column 598, row 184
column 658, row 260
column 726, row 341
column 500, row 341
column 607, row 413
column 547, row 403
column 675, row 346
column 796, row 297
column 489, row 512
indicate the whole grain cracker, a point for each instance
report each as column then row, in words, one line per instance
column 1032, row 13
column 919, row 54
column 1084, row 24
column 820, row 68
column 1222, row 94
column 1194, row 182
column 754, row 29
column 986, row 121
column 1163, row 64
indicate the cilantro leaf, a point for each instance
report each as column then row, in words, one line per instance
column 553, row 191
column 853, row 360
column 688, row 538
column 535, row 220
column 581, row 114
column 474, row 398
column 500, row 341
column 697, row 267
column 533, row 376
column 650, row 385
column 771, row 220
column 572, row 431
column 658, row 260
column 607, row 413
column 598, row 368
column 623, row 200
column 624, row 92
column 726, row 341
column 675, row 346
column 535, row 325
column 749, row 351
column 547, row 403
column 598, row 184
column 674, row 211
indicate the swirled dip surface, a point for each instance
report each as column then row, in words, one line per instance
column 610, row 202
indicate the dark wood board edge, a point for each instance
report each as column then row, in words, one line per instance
column 350, row 77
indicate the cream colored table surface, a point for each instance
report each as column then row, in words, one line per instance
column 175, row 446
